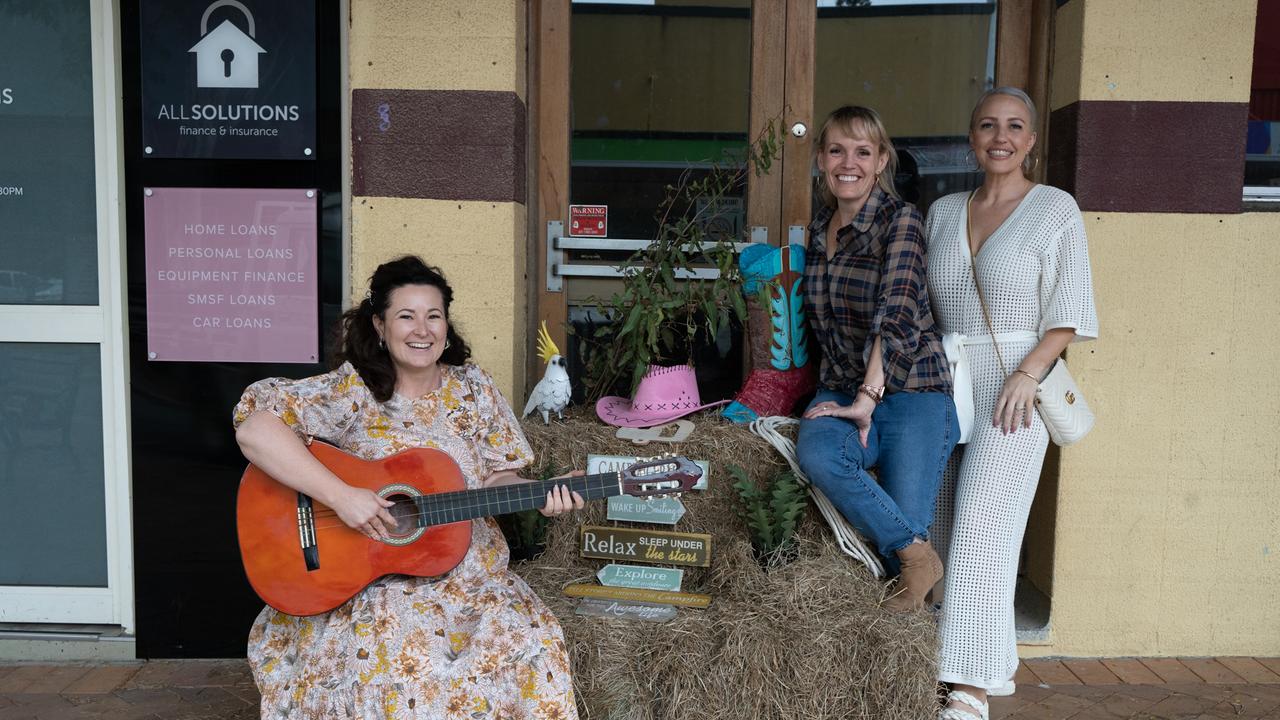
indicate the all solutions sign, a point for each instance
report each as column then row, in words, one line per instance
column 228, row 79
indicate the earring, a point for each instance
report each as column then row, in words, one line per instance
column 382, row 344
column 1030, row 163
column 447, row 343
column 971, row 161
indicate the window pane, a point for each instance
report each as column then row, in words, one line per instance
column 921, row 66
column 658, row 91
column 48, row 217
column 51, row 465
column 655, row 90
column 1262, row 152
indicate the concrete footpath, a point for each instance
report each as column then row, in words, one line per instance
column 1147, row 689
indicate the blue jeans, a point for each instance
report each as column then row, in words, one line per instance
column 911, row 437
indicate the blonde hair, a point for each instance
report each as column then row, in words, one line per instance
column 864, row 123
column 1012, row 92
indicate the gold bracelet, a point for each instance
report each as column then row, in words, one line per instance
column 1033, row 377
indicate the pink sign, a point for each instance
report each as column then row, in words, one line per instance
column 231, row 275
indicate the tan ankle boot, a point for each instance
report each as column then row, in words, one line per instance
column 921, row 570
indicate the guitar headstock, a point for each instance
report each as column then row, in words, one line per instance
column 660, row 476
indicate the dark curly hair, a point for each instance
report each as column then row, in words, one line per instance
column 357, row 341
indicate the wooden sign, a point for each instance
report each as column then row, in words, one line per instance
column 663, row 511
column 651, row 612
column 650, row 546
column 613, row 463
column 645, row 578
column 635, row 594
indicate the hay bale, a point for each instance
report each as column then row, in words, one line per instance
column 802, row 640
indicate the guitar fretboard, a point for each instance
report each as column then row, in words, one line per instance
column 442, row 508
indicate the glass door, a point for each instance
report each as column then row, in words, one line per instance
column 659, row 96
column 645, row 90
column 64, row 520
column 920, row 65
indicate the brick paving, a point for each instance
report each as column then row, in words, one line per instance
column 1048, row 689
column 1143, row 689
column 168, row 689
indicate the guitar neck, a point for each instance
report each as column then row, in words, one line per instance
column 442, row 508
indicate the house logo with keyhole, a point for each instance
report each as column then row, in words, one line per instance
column 227, row 57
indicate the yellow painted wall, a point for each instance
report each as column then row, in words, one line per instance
column 1153, row 50
column 466, row 240
column 1167, row 537
column 480, row 246
column 438, row 45
column 1168, row 526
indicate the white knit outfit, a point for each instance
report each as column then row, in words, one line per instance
column 1034, row 271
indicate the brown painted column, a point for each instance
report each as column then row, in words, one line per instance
column 1147, row 119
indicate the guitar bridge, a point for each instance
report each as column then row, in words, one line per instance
column 307, row 533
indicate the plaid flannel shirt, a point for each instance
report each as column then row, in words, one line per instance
column 874, row 285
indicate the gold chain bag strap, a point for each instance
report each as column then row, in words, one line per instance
column 1062, row 406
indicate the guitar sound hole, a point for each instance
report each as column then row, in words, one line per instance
column 405, row 511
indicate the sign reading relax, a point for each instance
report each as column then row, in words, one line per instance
column 650, row 546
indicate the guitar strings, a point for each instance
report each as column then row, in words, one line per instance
column 438, row 502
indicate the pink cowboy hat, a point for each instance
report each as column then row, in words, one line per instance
column 664, row 394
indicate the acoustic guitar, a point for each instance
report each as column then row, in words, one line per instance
column 302, row 559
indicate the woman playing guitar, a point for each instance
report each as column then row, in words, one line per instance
column 475, row 638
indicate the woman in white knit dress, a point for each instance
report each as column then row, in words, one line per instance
column 1028, row 245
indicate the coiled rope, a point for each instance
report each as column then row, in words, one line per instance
column 846, row 537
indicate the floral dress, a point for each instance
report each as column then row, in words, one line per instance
column 476, row 643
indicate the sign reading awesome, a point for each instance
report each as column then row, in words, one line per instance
column 651, row 546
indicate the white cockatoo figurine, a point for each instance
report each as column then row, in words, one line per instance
column 552, row 392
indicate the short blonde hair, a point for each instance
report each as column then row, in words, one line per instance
column 858, row 122
column 1012, row 92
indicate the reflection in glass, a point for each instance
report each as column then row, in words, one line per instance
column 1262, row 141
column 51, row 465
column 48, row 216
column 657, row 90
column 921, row 66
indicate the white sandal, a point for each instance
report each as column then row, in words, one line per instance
column 964, row 698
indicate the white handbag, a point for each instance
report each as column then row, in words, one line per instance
column 1062, row 406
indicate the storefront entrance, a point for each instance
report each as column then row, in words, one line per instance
column 653, row 90
column 644, row 91
column 192, row 596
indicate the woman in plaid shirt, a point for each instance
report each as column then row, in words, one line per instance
column 884, row 398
